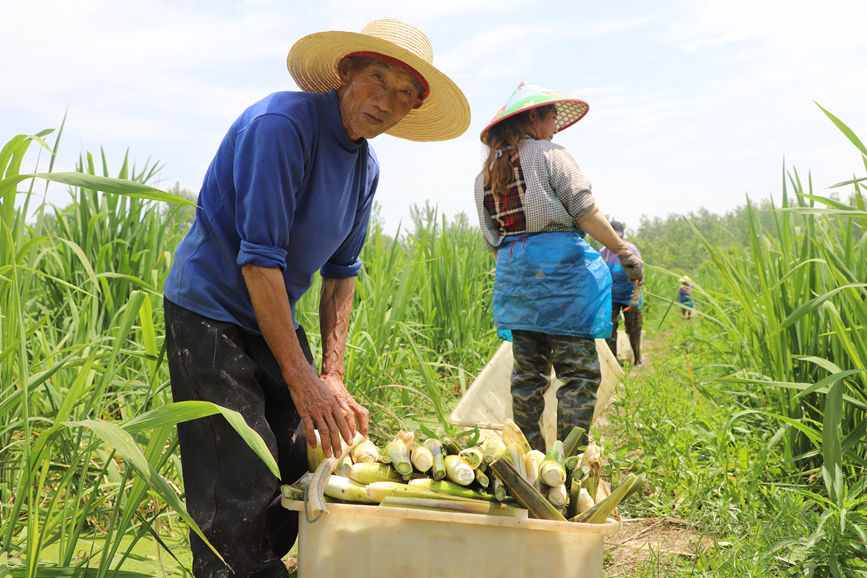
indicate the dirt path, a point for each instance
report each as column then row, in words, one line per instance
column 664, row 542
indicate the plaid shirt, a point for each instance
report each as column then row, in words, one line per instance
column 547, row 193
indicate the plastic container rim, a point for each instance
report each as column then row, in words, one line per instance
column 608, row 527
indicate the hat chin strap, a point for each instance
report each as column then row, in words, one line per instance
column 425, row 87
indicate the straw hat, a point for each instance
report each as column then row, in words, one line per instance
column 445, row 112
column 528, row 96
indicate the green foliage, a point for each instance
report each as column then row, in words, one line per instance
column 753, row 425
column 89, row 468
column 79, row 351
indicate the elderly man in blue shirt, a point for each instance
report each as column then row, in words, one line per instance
column 288, row 193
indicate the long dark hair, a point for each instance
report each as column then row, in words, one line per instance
column 503, row 139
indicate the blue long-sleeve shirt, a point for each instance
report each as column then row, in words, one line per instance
column 621, row 288
column 286, row 189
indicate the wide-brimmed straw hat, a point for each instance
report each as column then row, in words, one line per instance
column 445, row 112
column 528, row 96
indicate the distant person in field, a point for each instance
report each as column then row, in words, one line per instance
column 684, row 296
column 625, row 297
column 288, row 193
column 552, row 291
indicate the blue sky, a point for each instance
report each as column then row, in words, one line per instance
column 693, row 104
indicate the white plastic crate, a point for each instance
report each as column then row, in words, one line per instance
column 370, row 541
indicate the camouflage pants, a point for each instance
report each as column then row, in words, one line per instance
column 576, row 365
column 632, row 319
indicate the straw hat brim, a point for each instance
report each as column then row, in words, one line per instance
column 443, row 115
column 569, row 111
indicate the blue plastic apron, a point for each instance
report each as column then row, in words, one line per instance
column 552, row 283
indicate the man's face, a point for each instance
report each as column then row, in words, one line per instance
column 375, row 97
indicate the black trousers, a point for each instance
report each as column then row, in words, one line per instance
column 230, row 493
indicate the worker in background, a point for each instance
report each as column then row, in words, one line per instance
column 288, row 194
column 684, row 296
column 552, row 291
column 625, row 297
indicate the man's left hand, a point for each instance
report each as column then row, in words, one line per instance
column 353, row 412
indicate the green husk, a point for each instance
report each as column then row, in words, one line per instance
column 451, row 489
column 472, row 455
column 515, row 456
column 600, row 512
column 421, row 457
column 376, row 491
column 482, row 478
column 494, row 449
column 459, row 471
column 450, row 445
column 342, row 488
column 524, row 493
column 368, row 473
column 398, row 452
column 499, row 489
column 557, row 495
column 440, row 504
column 574, row 493
column 584, row 501
column 344, row 464
column 366, row 453
column 532, row 461
column 315, row 455
column 552, row 471
column 512, row 434
column 570, row 444
column 438, row 470
column 292, row 493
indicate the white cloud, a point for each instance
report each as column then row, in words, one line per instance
column 691, row 104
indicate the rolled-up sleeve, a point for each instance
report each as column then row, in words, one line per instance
column 261, row 256
column 345, row 262
column 268, row 171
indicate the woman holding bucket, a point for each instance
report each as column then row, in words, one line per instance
column 552, row 292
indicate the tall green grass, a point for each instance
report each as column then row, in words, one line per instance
column 86, row 425
column 788, row 315
column 89, row 465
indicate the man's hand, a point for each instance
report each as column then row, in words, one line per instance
column 321, row 410
column 315, row 401
column 353, row 412
column 632, row 265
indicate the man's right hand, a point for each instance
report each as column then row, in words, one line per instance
column 316, row 404
column 632, row 265
column 320, row 410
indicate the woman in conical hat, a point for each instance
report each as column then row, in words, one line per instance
column 288, row 194
column 552, row 292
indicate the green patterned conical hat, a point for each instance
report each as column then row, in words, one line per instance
column 526, row 96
